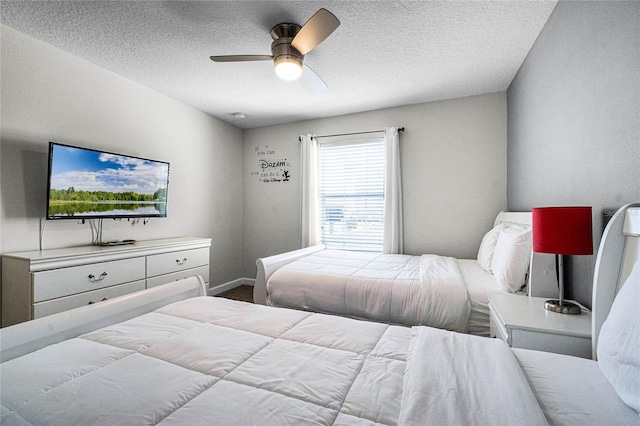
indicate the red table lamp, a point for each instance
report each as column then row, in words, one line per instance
column 562, row 231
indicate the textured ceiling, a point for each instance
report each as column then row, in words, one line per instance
column 384, row 54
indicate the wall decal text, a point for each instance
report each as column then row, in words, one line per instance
column 270, row 168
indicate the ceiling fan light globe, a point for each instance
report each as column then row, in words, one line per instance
column 288, row 69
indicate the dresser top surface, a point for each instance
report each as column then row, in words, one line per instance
column 144, row 245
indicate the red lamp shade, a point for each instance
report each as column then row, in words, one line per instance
column 562, row 230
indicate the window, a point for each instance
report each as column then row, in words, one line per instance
column 351, row 194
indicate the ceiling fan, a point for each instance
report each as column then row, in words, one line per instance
column 290, row 43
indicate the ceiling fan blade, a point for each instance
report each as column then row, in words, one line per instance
column 315, row 30
column 241, row 58
column 312, row 81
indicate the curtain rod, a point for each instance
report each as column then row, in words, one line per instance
column 400, row 129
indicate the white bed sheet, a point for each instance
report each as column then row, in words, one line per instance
column 213, row 361
column 481, row 363
column 216, row 361
column 573, row 391
column 318, row 283
column 480, row 284
column 397, row 289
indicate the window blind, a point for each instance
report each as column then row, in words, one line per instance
column 351, row 194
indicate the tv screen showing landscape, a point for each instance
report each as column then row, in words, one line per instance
column 90, row 184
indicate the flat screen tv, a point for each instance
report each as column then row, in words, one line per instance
column 89, row 184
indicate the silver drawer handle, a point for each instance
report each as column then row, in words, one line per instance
column 181, row 262
column 93, row 278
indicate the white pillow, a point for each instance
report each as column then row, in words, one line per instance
column 619, row 342
column 511, row 257
column 487, row 247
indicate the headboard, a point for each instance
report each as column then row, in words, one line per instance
column 619, row 251
column 522, row 218
column 542, row 280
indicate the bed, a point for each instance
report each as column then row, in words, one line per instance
column 205, row 360
column 432, row 290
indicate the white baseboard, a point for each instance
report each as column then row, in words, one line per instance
column 231, row 284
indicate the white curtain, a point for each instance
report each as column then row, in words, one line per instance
column 309, row 181
column 393, row 228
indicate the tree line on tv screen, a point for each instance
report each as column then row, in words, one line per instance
column 71, row 209
column 71, row 195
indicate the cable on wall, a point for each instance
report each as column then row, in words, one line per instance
column 43, row 224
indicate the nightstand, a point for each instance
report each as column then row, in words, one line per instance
column 523, row 322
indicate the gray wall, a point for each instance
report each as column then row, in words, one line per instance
column 574, row 119
column 454, row 165
column 49, row 95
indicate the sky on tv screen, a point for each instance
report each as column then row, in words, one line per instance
column 87, row 170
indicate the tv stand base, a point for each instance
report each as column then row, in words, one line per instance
column 116, row 243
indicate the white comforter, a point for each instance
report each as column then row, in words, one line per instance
column 400, row 289
column 215, row 361
column 475, row 394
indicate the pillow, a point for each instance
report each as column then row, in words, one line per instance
column 511, row 257
column 619, row 342
column 487, row 247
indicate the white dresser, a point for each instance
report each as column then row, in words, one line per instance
column 40, row 283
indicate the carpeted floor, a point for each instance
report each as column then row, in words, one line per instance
column 243, row 293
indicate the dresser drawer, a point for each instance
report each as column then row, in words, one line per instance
column 50, row 307
column 203, row 271
column 160, row 264
column 78, row 279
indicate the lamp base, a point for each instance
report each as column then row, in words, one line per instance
column 565, row 308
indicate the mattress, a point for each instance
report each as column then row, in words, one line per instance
column 386, row 288
column 216, row 361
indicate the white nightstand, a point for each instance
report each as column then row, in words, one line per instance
column 522, row 322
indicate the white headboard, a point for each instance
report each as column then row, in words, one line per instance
column 542, row 280
column 619, row 251
column 522, row 218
